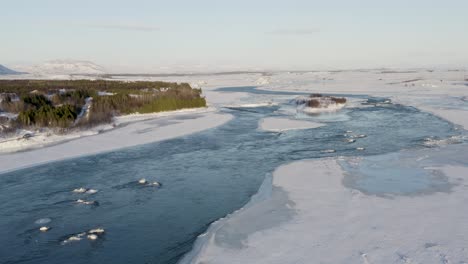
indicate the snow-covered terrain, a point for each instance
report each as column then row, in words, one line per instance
column 306, row 213
column 59, row 68
column 263, row 81
column 310, row 217
column 43, row 137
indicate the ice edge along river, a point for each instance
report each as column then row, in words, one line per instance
column 325, row 222
column 319, row 219
column 136, row 130
column 420, row 229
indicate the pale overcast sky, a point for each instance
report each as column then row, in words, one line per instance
column 305, row 34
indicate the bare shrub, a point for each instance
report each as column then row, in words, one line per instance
column 313, row 103
column 338, row 100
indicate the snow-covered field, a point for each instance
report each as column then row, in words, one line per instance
column 306, row 213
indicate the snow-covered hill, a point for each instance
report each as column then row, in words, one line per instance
column 4, row 71
column 67, row 67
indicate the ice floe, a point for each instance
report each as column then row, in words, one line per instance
column 278, row 124
column 81, row 201
column 92, row 234
column 44, row 228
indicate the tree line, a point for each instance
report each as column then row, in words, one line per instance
column 51, row 103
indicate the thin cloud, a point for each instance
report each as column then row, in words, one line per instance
column 126, row 27
column 294, row 32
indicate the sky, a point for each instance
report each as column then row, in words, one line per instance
column 143, row 35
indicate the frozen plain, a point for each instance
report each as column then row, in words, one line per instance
column 320, row 219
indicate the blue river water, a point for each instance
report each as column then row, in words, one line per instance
column 204, row 175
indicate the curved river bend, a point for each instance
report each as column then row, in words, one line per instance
column 205, row 176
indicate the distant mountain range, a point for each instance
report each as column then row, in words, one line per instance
column 58, row 67
column 5, row 71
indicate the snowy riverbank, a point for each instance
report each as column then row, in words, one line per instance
column 131, row 130
column 47, row 137
column 309, row 216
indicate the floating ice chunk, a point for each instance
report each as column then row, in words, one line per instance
column 147, row 183
column 81, row 201
column 80, row 190
column 328, row 151
column 84, row 190
column 73, row 238
column 93, row 233
column 76, row 237
column 351, row 140
column 349, row 131
column 92, row 237
column 142, row 181
column 361, row 136
column 157, row 184
column 44, row 228
column 96, row 231
column 91, row 191
column 360, row 148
